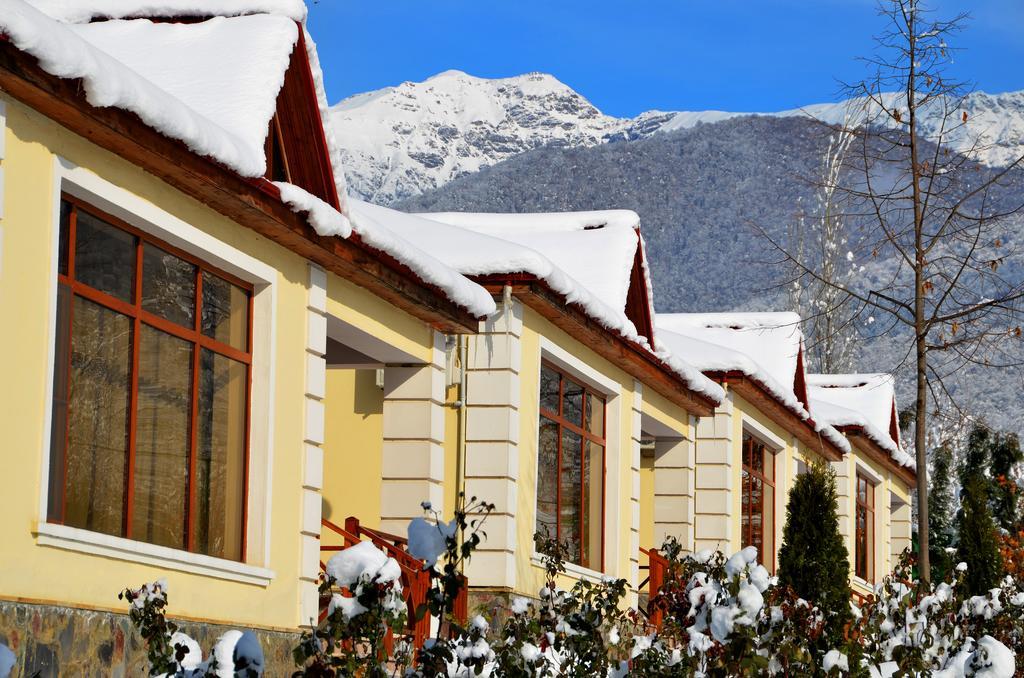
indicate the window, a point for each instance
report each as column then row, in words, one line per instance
column 151, row 390
column 570, row 467
column 758, row 500
column 865, row 538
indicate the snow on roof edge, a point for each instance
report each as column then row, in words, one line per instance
column 110, row 83
column 327, row 221
column 79, row 11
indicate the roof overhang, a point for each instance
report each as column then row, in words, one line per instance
column 756, row 394
column 633, row 358
column 254, row 203
column 859, row 439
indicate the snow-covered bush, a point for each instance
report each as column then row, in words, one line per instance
column 173, row 654
column 366, row 605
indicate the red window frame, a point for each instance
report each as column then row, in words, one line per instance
column 864, row 542
column 561, row 421
column 139, row 316
column 752, row 444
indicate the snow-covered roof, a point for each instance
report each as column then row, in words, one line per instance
column 765, row 347
column 81, row 11
column 212, row 84
column 866, row 401
column 486, row 249
column 597, row 250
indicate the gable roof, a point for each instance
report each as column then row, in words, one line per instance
column 215, row 86
column 483, row 254
column 862, row 402
column 601, row 251
column 766, row 348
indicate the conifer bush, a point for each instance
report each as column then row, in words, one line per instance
column 978, row 545
column 813, row 560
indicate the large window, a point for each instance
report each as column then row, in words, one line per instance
column 151, row 390
column 865, row 537
column 758, row 500
column 570, row 467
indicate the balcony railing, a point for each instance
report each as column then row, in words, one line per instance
column 415, row 579
column 657, row 570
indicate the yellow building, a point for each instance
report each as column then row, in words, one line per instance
column 556, row 393
column 763, row 435
column 172, row 311
column 877, row 479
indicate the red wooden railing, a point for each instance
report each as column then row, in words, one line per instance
column 415, row 579
column 657, row 569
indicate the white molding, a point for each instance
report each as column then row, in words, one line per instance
column 94, row 543
column 867, row 472
column 762, row 433
column 3, row 129
column 578, row 368
column 147, row 217
column 572, row 570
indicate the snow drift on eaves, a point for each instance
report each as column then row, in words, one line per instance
column 761, row 346
column 81, row 11
column 596, row 249
column 67, row 52
column 863, row 400
column 477, row 254
column 381, row 235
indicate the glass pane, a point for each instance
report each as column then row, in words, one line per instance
column 104, row 256
column 64, row 235
column 101, row 356
column 220, row 471
column 225, row 312
column 593, row 495
column 547, row 482
column 571, row 481
column 549, row 380
column 595, row 415
column 162, row 439
column 59, row 420
column 861, row 546
column 168, row 286
column 572, row 402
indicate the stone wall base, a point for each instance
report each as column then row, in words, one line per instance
column 51, row 641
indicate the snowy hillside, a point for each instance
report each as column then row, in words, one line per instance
column 401, row 141
column 404, row 140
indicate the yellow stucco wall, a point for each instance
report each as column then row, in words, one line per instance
column 888, row 484
column 353, row 443
column 39, row 573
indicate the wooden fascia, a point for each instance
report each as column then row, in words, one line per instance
column 254, row 203
column 632, row 358
column 758, row 396
column 859, row 439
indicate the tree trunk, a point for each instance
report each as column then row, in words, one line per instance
column 920, row 324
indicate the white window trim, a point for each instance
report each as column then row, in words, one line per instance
column 869, row 473
column 565, row 360
column 83, row 183
column 572, row 570
column 95, row 543
column 611, row 390
column 763, row 433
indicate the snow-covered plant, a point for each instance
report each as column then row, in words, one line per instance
column 173, row 654
column 366, row 606
column 939, row 630
column 452, row 544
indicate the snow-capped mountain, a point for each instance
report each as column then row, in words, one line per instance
column 401, row 141
column 404, row 140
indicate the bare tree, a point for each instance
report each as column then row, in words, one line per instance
column 933, row 227
column 822, row 237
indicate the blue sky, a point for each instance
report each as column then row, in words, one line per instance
column 628, row 57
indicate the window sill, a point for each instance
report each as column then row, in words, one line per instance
column 863, row 583
column 572, row 570
column 94, row 543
